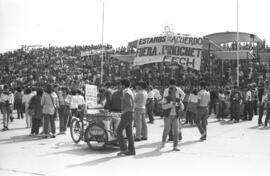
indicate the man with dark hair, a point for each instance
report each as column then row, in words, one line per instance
column 127, row 110
column 180, row 94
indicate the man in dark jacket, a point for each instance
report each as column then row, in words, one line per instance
column 115, row 103
column 235, row 104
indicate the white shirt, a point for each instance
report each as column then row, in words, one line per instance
column 151, row 94
column 157, row 94
column 204, row 97
column 26, row 99
column 5, row 97
column 193, row 98
column 248, row 95
column 74, row 102
column 179, row 93
column 80, row 100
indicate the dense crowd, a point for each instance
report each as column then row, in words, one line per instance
column 66, row 66
column 43, row 84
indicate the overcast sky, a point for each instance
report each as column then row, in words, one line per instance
column 78, row 22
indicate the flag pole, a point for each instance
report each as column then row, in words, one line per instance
column 237, row 53
column 102, row 50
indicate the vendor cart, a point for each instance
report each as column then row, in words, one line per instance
column 96, row 129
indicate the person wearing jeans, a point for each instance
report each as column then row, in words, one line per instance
column 139, row 113
column 171, row 109
column 5, row 100
column 202, row 111
column 48, row 110
column 64, row 109
column 127, row 110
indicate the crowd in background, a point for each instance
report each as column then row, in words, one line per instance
column 66, row 66
column 27, row 73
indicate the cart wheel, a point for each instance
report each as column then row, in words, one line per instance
column 76, row 130
column 96, row 137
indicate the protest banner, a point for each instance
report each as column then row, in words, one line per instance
column 91, row 92
column 185, row 50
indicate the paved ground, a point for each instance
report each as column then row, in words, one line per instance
column 231, row 149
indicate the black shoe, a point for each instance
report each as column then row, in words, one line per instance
column 53, row 136
column 130, row 153
column 150, row 122
column 122, row 153
column 176, row 149
column 203, row 137
column 180, row 136
column 137, row 140
column 144, row 138
column 170, row 139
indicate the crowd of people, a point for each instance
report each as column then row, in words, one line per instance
column 44, row 84
column 41, row 106
column 67, row 66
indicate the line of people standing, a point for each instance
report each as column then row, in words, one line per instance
column 40, row 108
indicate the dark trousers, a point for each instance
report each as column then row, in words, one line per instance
column 255, row 107
column 248, row 110
column 201, row 119
column 150, row 108
column 73, row 113
column 212, row 106
column 49, row 120
column 63, row 117
column 267, row 116
column 126, row 123
column 35, row 125
column 235, row 110
column 222, row 107
column 261, row 110
column 190, row 117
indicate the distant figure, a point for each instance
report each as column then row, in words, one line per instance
column 202, row 110
column 139, row 112
column 36, row 111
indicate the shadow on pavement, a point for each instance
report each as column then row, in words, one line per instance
column 157, row 151
column 18, row 139
column 94, row 162
column 257, row 127
column 83, row 150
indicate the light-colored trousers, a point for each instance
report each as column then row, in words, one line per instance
column 140, row 123
column 171, row 122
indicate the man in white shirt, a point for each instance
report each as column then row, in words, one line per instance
column 248, row 105
column 202, row 110
column 5, row 101
column 179, row 92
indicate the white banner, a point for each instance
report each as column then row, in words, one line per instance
column 91, row 92
column 185, row 50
